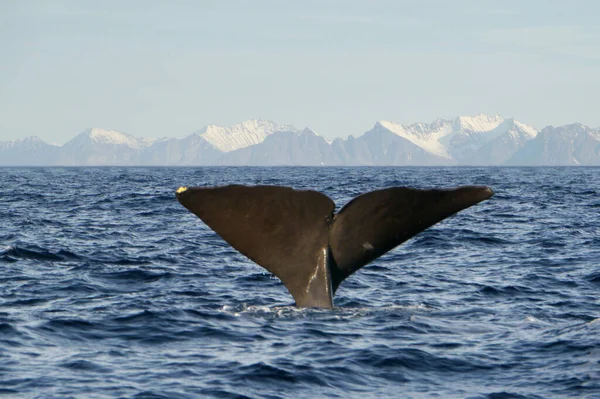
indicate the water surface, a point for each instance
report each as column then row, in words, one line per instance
column 111, row 289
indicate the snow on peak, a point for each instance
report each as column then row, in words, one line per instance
column 451, row 138
column 242, row 135
column 112, row 137
column 527, row 129
column 421, row 135
column 479, row 123
column 29, row 139
column 26, row 142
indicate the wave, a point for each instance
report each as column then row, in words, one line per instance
column 14, row 253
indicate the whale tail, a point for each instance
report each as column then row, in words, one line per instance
column 295, row 235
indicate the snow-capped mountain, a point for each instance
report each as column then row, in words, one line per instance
column 242, row 135
column 381, row 146
column 283, row 148
column 480, row 139
column 574, row 144
column 208, row 145
column 102, row 147
column 31, row 151
column 31, row 143
column 474, row 140
column 306, row 148
column 109, row 137
column 460, row 139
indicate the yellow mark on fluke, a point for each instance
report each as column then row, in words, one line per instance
column 181, row 189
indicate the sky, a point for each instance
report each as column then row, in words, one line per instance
column 167, row 68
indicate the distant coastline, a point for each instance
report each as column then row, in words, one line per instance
column 480, row 140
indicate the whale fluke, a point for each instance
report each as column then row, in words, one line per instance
column 295, row 235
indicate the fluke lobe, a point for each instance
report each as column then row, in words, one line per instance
column 296, row 236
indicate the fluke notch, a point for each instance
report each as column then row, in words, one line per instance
column 295, row 235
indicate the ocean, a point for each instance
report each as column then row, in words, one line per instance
column 109, row 288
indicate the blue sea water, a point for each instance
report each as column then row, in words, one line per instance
column 111, row 289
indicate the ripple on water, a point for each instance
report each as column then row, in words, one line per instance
column 113, row 290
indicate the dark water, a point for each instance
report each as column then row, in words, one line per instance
column 109, row 288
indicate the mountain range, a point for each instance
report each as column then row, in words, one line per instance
column 464, row 140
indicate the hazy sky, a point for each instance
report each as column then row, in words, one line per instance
column 166, row 68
